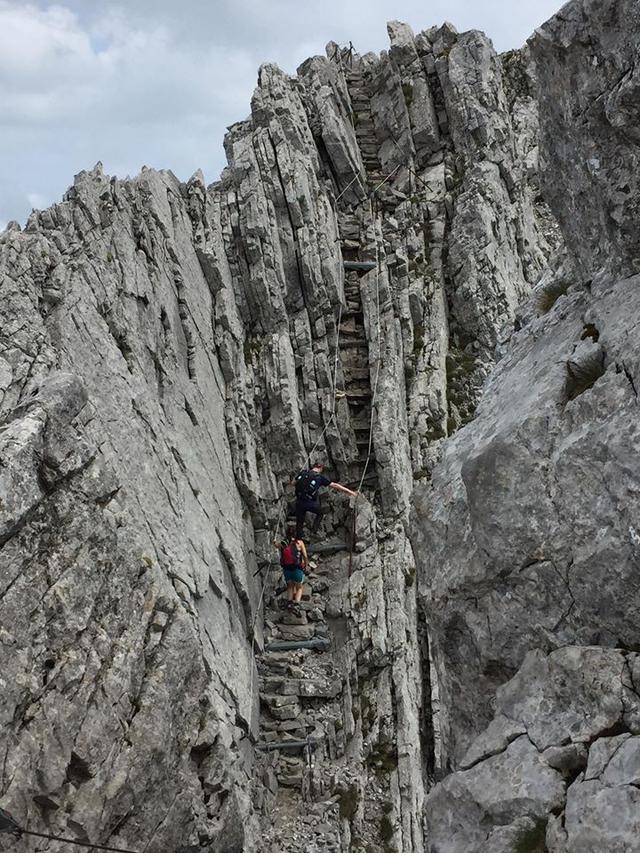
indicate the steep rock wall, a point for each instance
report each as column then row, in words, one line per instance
column 126, row 552
column 526, row 538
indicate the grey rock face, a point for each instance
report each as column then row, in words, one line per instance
column 533, row 506
column 526, row 538
column 124, row 558
column 517, row 790
column 587, row 61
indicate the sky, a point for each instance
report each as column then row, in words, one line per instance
column 156, row 82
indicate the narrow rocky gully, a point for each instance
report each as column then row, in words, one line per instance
column 325, row 780
column 303, row 669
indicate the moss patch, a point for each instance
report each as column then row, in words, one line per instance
column 461, row 367
column 252, row 348
column 361, row 600
column 418, row 338
column 383, row 758
column 532, row 840
column 348, row 802
column 386, row 829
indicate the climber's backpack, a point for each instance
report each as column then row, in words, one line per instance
column 307, row 485
column 290, row 556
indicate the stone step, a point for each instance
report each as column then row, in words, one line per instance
column 354, row 337
column 300, row 688
column 287, row 710
column 356, row 373
column 280, row 684
column 361, row 424
column 351, row 325
column 283, row 729
column 295, row 632
column 353, row 344
column 353, row 307
column 359, row 394
column 286, row 617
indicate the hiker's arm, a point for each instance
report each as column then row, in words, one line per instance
column 340, row 488
column 303, row 548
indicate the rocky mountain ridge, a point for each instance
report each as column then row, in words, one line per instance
column 170, row 353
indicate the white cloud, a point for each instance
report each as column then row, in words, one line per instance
column 156, row 82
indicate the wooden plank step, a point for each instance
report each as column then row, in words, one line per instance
column 291, row 645
column 327, row 548
column 369, row 479
column 359, row 266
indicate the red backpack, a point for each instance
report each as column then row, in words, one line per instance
column 290, row 556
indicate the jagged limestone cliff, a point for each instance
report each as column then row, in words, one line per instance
column 527, row 541
column 169, row 355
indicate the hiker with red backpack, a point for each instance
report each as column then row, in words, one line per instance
column 308, row 485
column 293, row 559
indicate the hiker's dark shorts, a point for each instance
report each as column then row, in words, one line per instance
column 293, row 575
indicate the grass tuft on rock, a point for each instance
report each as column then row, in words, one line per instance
column 550, row 294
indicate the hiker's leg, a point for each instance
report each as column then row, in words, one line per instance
column 318, row 511
column 291, row 590
column 298, row 593
column 301, row 511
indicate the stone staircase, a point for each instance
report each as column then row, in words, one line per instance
column 363, row 123
column 354, row 357
column 301, row 729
